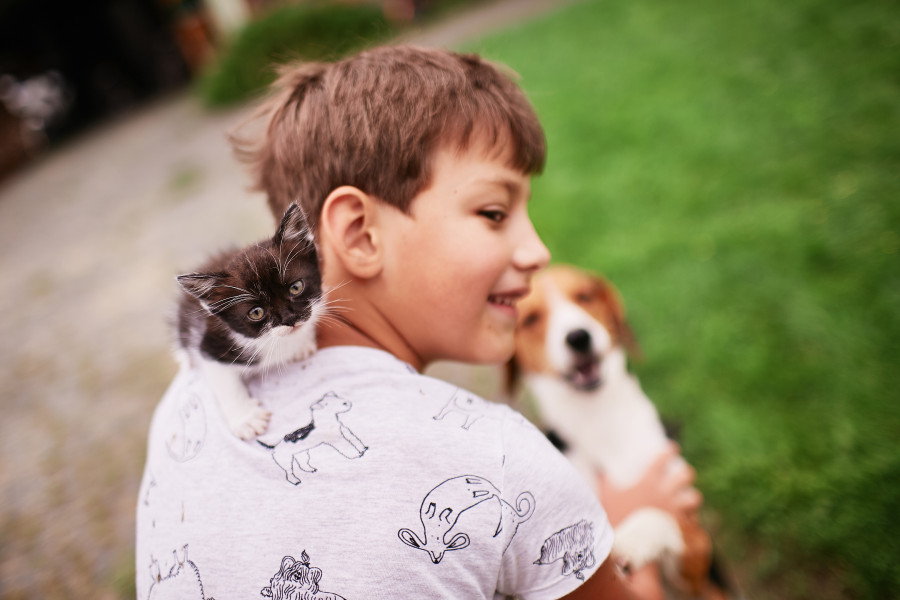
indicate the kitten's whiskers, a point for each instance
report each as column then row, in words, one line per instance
column 275, row 260
column 292, row 255
column 252, row 266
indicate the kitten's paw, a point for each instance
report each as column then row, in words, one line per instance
column 253, row 423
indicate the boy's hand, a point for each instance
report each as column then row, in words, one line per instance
column 607, row 583
column 667, row 484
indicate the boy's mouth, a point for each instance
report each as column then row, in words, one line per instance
column 509, row 301
column 506, row 300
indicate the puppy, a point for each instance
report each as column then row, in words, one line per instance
column 571, row 345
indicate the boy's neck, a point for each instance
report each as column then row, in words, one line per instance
column 361, row 325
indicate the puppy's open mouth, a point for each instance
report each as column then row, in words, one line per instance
column 585, row 373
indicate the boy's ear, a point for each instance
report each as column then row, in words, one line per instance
column 349, row 226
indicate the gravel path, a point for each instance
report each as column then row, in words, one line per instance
column 90, row 239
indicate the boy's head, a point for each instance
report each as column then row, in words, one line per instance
column 375, row 120
column 413, row 167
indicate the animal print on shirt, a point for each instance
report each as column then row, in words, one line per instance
column 574, row 545
column 188, row 433
column 325, row 428
column 445, row 503
column 297, row 580
column 181, row 582
column 470, row 407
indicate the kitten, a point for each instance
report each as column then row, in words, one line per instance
column 249, row 310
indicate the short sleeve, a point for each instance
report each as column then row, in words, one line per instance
column 563, row 534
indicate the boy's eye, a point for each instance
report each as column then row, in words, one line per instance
column 296, row 288
column 256, row 313
column 497, row 216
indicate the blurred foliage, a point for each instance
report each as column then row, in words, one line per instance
column 735, row 169
column 309, row 31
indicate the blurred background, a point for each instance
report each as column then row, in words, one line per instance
column 734, row 168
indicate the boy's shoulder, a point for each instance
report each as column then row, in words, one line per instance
column 376, row 384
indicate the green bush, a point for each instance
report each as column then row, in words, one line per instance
column 309, row 31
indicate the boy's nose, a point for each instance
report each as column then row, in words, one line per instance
column 532, row 254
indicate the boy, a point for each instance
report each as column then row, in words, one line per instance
column 373, row 481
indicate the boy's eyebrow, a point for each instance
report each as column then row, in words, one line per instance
column 512, row 187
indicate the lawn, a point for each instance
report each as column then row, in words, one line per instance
column 734, row 167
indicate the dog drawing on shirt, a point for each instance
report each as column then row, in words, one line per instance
column 444, row 504
column 324, row 429
column 470, row 407
column 574, row 545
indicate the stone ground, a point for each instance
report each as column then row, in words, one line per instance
column 91, row 236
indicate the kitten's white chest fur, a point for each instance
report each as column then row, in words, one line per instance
column 243, row 414
column 250, row 311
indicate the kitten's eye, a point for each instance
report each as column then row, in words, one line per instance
column 256, row 313
column 296, row 288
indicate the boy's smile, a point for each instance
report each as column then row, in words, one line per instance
column 455, row 267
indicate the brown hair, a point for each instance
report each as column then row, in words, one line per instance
column 374, row 121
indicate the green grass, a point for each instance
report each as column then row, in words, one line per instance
column 734, row 167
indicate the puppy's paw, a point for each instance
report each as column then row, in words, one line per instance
column 647, row 535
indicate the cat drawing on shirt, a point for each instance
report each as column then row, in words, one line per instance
column 443, row 506
column 248, row 311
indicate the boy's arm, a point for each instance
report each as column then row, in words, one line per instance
column 607, row 584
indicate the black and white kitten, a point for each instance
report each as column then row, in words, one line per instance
column 250, row 310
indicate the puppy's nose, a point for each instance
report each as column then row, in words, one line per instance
column 579, row 340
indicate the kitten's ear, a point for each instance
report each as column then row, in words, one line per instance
column 294, row 226
column 199, row 285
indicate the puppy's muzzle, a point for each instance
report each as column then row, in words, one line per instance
column 585, row 372
column 579, row 340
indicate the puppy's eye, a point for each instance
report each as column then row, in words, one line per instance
column 256, row 313
column 530, row 320
column 584, row 297
column 296, row 288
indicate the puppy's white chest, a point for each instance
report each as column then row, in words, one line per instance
column 616, row 429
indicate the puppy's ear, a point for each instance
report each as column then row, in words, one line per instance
column 613, row 300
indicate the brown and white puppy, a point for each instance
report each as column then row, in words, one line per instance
column 571, row 345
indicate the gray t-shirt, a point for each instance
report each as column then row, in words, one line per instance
column 373, row 481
